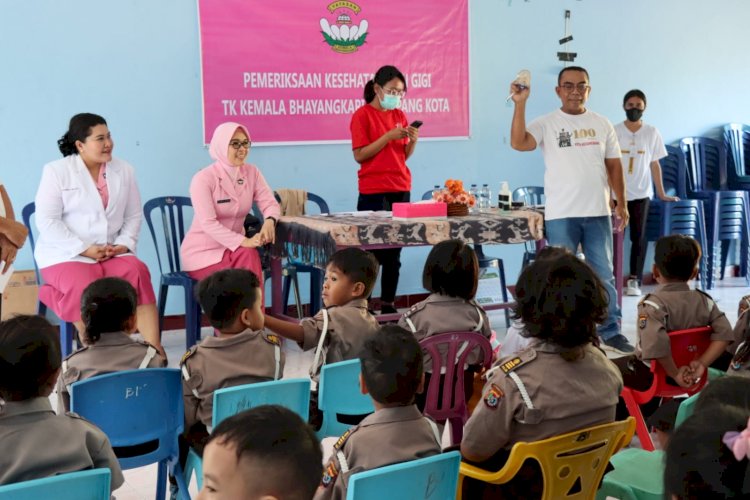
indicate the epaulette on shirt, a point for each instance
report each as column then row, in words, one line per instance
column 271, row 338
column 711, row 301
column 187, row 354
column 514, row 363
column 416, row 307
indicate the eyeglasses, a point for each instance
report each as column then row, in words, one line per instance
column 580, row 87
column 395, row 92
column 240, row 144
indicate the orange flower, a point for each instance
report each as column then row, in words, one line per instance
column 454, row 186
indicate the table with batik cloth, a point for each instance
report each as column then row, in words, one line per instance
column 312, row 239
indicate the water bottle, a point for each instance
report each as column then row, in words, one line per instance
column 485, row 197
column 435, row 191
column 475, row 193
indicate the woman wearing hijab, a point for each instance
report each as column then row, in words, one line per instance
column 88, row 211
column 223, row 194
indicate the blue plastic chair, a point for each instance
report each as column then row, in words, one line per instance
column 293, row 394
column 171, row 210
column 487, row 261
column 91, row 484
column 737, row 141
column 293, row 267
column 140, row 408
column 531, row 196
column 726, row 210
column 67, row 329
column 339, row 394
column 432, row 477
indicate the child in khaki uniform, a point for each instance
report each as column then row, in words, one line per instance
column 674, row 306
column 560, row 383
column 35, row 442
column 267, row 452
column 397, row 431
column 740, row 364
column 241, row 353
column 108, row 312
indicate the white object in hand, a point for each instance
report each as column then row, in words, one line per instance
column 522, row 81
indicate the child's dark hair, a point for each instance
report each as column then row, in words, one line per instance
column 699, row 464
column 732, row 391
column 357, row 265
column 676, row 256
column 279, row 442
column 392, row 365
column 78, row 130
column 106, row 306
column 224, row 294
column 451, row 269
column 382, row 76
column 29, row 357
column 560, row 300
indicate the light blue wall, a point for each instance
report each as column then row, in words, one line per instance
column 136, row 62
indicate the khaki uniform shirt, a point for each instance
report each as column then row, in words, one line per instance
column 442, row 313
column 740, row 364
column 216, row 363
column 388, row 436
column 36, row 443
column 343, row 330
column 538, row 394
column 672, row 307
column 113, row 352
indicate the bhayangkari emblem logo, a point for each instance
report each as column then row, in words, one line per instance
column 343, row 36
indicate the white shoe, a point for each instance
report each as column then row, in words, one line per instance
column 633, row 289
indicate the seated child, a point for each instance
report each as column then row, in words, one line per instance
column 35, row 442
column 338, row 331
column 707, row 456
column 740, row 364
column 266, row 452
column 397, row 431
column 241, row 353
column 108, row 313
column 561, row 383
column 451, row 274
column 674, row 306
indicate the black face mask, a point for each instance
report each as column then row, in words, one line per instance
column 634, row 114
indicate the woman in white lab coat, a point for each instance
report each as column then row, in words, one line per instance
column 88, row 212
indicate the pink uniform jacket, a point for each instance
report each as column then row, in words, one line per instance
column 221, row 204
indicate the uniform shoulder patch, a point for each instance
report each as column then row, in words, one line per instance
column 189, row 353
column 329, row 475
column 520, row 360
column 340, row 442
column 271, row 338
column 642, row 320
column 493, row 397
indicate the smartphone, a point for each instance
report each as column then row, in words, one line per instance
column 416, row 124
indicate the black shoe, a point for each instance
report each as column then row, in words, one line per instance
column 619, row 344
column 388, row 309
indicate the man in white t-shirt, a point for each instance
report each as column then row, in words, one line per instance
column 582, row 160
column 642, row 147
column 12, row 234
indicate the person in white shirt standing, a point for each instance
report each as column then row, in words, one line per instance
column 642, row 147
column 582, row 160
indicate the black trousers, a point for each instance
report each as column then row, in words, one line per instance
column 638, row 210
column 390, row 259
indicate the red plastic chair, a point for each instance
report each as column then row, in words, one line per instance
column 687, row 345
column 456, row 346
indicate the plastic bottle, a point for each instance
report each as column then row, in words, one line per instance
column 435, row 191
column 485, row 195
column 474, row 191
column 503, row 197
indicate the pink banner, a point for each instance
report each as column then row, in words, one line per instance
column 295, row 71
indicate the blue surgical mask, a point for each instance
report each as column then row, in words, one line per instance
column 390, row 101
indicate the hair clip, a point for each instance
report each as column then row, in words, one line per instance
column 738, row 442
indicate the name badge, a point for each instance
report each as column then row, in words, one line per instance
column 224, row 201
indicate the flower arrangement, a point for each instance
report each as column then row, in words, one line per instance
column 454, row 193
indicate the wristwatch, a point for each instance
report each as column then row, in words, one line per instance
column 275, row 221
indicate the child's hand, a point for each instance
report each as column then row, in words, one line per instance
column 685, row 377
column 697, row 370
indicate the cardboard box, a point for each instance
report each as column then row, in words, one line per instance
column 21, row 294
column 419, row 210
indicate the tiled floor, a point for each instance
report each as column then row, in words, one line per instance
column 141, row 483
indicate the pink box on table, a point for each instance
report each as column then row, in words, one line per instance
column 419, row 210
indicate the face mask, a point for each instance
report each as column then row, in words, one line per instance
column 390, row 101
column 634, row 114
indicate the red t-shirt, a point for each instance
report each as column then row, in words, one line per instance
column 386, row 172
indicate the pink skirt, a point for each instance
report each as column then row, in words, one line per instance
column 242, row 258
column 64, row 283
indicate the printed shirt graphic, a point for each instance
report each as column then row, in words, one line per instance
column 574, row 148
column 638, row 150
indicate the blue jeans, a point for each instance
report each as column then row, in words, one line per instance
column 594, row 234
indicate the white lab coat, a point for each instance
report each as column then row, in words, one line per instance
column 70, row 215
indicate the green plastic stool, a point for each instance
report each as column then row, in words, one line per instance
column 638, row 475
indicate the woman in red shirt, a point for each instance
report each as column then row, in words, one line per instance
column 382, row 141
